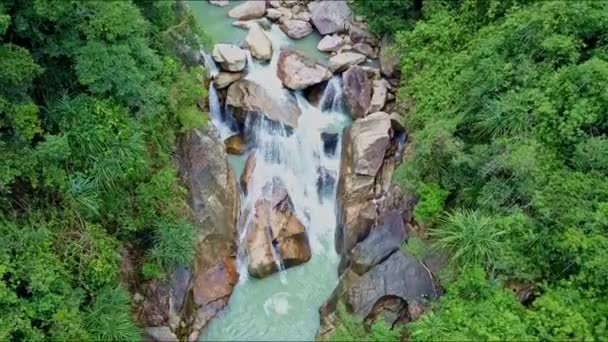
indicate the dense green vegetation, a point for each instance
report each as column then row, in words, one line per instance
column 509, row 161
column 91, row 98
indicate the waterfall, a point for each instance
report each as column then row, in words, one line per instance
column 304, row 161
column 210, row 63
column 222, row 122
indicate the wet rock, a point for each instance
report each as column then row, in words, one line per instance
column 220, row 3
column 330, row 16
column 378, row 97
column 389, row 60
column 273, row 14
column 330, row 43
column 259, row 44
column 248, row 172
column 397, row 122
column 235, row 145
column 296, row 29
column 216, row 283
column 357, row 91
column 245, row 96
column 275, row 226
column 161, row 334
column 325, row 182
column 382, row 241
column 342, row 61
column 224, row 79
column 251, row 9
column 330, row 143
column 298, row 72
column 230, row 57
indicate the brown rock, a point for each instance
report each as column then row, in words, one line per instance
column 235, row 145
column 357, row 91
column 251, row 9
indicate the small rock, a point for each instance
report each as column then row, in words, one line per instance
column 304, row 16
column 366, row 49
column 360, row 34
column 249, row 10
column 378, row 97
column 344, row 60
column 220, row 3
column 296, row 29
column 241, row 24
column 273, row 14
column 235, row 145
column 224, row 79
column 297, row 9
column 330, row 43
column 274, row 3
column 161, row 334
column 289, row 3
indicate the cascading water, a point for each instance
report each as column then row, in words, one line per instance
column 306, row 161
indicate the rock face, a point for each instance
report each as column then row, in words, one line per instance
column 379, row 97
column 330, row 16
column 246, row 97
column 344, row 60
column 224, row 79
column 179, row 308
column 275, row 227
column 296, row 29
column 230, row 57
column 251, row 9
column 298, row 72
column 357, row 91
column 389, row 60
column 259, row 44
column 330, row 43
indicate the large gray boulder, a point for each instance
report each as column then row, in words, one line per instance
column 251, row 9
column 296, row 29
column 259, row 43
column 343, row 60
column 298, row 72
column 245, row 96
column 330, row 16
column 230, row 57
column 378, row 97
column 357, row 91
column 372, row 140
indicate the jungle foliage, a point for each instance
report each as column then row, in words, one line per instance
column 509, row 158
column 91, row 98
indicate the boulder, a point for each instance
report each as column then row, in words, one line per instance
column 298, row 72
column 372, row 140
column 248, row 172
column 330, row 43
column 259, row 43
column 378, row 97
column 400, row 275
column 389, row 60
column 330, row 16
column 275, row 226
column 366, row 49
column 296, row 29
column 344, row 60
column 235, row 145
column 357, row 91
column 273, row 14
column 245, row 96
column 383, row 240
column 220, row 3
column 274, row 3
column 224, row 79
column 248, row 10
column 230, row 57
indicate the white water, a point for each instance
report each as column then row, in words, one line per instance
column 284, row 306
